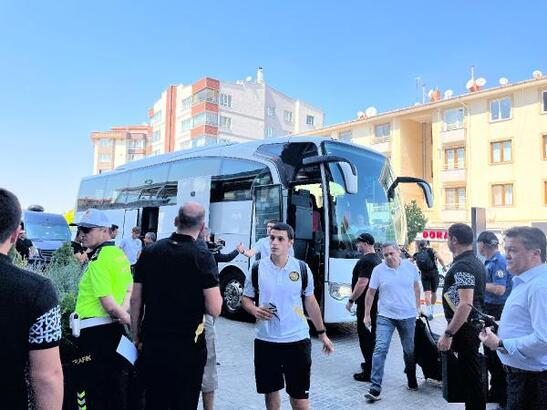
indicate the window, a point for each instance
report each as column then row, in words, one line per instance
column 115, row 189
column 237, row 178
column 382, row 132
column 502, row 195
column 453, row 119
column 104, row 158
column 156, row 136
column 269, row 132
column 136, row 144
column 270, row 111
column 225, row 122
column 345, row 135
column 91, row 193
column 287, row 116
column 205, row 95
column 544, row 101
column 545, row 147
column 500, row 152
column 156, row 117
column 454, row 158
column 105, row 142
column 144, row 184
column 310, row 120
column 186, row 124
column 500, row 109
column 225, row 100
column 207, row 117
column 186, row 103
column 455, row 198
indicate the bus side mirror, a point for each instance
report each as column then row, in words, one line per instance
column 349, row 171
column 426, row 188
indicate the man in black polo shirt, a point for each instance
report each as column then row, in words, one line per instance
column 359, row 284
column 176, row 284
column 464, row 284
column 31, row 325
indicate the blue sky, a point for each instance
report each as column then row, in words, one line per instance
column 70, row 67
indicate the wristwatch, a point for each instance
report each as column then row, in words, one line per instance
column 448, row 334
column 501, row 348
column 321, row 331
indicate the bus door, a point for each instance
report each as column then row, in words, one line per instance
column 267, row 204
column 130, row 220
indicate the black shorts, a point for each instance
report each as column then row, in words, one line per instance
column 430, row 281
column 275, row 360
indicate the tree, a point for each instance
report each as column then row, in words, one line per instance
column 415, row 220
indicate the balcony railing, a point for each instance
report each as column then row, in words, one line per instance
column 451, row 136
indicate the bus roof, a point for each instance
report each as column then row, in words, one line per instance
column 236, row 150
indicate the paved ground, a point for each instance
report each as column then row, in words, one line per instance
column 332, row 385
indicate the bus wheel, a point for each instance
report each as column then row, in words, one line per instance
column 231, row 287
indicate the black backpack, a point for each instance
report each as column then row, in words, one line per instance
column 424, row 260
column 303, row 275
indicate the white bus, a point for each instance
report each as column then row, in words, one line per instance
column 327, row 190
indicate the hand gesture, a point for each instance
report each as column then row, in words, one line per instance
column 263, row 313
column 328, row 348
column 240, row 248
column 489, row 339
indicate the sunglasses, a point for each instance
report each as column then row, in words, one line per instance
column 85, row 230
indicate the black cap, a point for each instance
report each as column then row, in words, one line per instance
column 488, row 238
column 114, row 227
column 366, row 238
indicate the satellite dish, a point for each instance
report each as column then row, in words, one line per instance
column 537, row 74
column 371, row 111
column 430, row 93
column 481, row 82
column 469, row 84
column 503, row 81
column 249, row 79
column 448, row 94
column 35, row 208
column 360, row 114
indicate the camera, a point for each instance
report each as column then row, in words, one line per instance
column 480, row 320
column 215, row 247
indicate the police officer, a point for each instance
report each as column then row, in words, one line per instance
column 102, row 308
column 498, row 287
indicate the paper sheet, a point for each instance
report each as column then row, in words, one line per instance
column 127, row 349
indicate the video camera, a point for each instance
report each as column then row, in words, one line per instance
column 480, row 321
column 215, row 246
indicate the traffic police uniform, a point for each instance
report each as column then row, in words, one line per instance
column 102, row 374
column 496, row 273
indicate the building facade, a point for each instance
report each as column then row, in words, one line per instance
column 212, row 111
column 486, row 148
column 118, row 145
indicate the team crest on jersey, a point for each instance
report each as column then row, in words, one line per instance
column 500, row 274
column 294, row 276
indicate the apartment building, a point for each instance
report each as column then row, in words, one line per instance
column 211, row 111
column 117, row 146
column 486, row 148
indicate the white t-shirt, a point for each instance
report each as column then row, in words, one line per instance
column 397, row 299
column 281, row 287
column 131, row 247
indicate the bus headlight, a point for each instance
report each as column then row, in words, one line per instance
column 339, row 291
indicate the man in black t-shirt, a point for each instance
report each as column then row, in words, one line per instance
column 23, row 245
column 464, row 284
column 176, row 283
column 359, row 285
column 31, row 325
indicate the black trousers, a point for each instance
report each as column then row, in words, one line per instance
column 526, row 391
column 466, row 343
column 101, row 374
column 498, row 385
column 171, row 373
column 367, row 338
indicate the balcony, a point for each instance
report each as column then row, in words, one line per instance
column 453, row 214
column 453, row 175
column 452, row 136
column 381, row 144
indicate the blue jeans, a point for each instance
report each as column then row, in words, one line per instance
column 384, row 330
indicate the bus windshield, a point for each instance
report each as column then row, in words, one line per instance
column 366, row 211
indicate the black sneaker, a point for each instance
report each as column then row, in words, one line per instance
column 373, row 395
column 363, row 366
column 412, row 382
column 362, row 377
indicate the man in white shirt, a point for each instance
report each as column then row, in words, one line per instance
column 398, row 282
column 282, row 350
column 132, row 246
column 261, row 249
